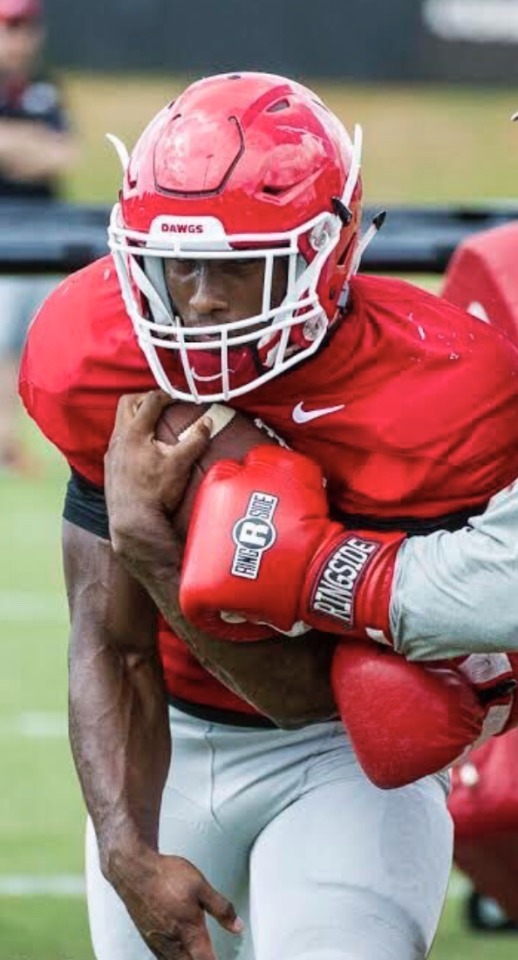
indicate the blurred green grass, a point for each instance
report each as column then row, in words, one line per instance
column 421, row 145
column 41, row 811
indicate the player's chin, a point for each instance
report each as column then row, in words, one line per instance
column 207, row 373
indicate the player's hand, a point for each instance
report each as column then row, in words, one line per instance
column 168, row 901
column 144, row 478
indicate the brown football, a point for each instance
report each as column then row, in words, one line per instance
column 233, row 435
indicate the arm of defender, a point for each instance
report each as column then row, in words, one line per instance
column 120, row 740
column 434, row 596
column 456, row 593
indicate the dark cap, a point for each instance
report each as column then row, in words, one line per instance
column 20, row 10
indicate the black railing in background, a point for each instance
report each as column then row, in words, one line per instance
column 467, row 41
column 60, row 237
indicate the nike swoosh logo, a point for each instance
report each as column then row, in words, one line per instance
column 477, row 310
column 304, row 416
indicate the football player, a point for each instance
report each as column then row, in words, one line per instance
column 233, row 277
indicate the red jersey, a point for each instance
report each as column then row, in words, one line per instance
column 411, row 409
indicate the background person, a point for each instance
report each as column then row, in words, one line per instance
column 36, row 148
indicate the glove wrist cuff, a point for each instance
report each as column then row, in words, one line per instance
column 348, row 587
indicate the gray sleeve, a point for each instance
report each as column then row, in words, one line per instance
column 457, row 593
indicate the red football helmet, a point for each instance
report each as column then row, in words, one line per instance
column 239, row 166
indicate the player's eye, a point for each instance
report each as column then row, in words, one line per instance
column 246, row 267
column 181, row 268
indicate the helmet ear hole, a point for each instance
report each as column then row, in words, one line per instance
column 280, row 105
column 345, row 253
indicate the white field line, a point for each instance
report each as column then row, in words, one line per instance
column 35, row 726
column 29, row 606
column 25, row 885
column 70, row 885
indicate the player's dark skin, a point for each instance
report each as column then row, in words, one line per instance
column 119, row 726
column 220, row 291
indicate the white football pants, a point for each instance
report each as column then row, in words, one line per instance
column 319, row 863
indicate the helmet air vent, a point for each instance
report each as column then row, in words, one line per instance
column 278, row 106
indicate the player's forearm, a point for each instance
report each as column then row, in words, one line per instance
column 118, row 715
column 120, row 740
column 30, row 150
column 287, row 681
column 455, row 593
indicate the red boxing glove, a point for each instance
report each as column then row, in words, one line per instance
column 262, row 548
column 408, row 720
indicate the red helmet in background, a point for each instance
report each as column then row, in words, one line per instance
column 20, row 10
column 239, row 166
